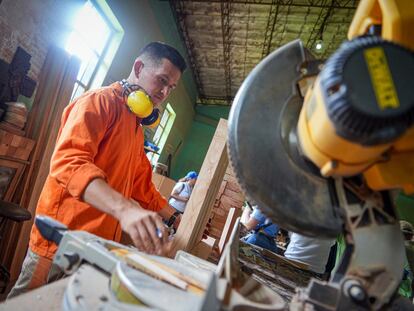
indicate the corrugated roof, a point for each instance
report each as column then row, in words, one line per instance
column 227, row 39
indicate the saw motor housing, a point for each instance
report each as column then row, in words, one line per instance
column 358, row 117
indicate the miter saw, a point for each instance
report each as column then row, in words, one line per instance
column 105, row 275
column 339, row 135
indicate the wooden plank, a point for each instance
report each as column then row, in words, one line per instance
column 141, row 263
column 225, row 200
column 222, row 188
column 230, row 178
column 222, row 210
column 215, row 232
column 234, row 213
column 219, row 218
column 217, row 224
column 204, row 248
column 233, row 186
column 234, row 195
column 156, row 180
column 204, row 194
column 163, row 184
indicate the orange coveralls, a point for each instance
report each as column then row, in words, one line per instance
column 99, row 137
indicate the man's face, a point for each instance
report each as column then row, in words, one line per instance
column 157, row 81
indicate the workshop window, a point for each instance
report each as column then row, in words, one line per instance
column 162, row 132
column 95, row 37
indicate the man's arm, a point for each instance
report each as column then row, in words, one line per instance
column 73, row 167
column 139, row 223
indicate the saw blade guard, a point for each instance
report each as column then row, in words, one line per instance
column 264, row 152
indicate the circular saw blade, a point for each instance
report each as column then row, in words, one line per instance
column 263, row 151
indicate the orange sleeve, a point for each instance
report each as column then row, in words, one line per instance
column 72, row 163
column 144, row 190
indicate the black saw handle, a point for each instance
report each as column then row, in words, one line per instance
column 51, row 229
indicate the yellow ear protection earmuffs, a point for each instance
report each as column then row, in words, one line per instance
column 140, row 104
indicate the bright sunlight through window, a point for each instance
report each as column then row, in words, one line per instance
column 91, row 37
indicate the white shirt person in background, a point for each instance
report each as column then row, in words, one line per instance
column 312, row 251
column 182, row 191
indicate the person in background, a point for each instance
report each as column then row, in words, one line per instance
column 406, row 285
column 263, row 231
column 312, row 251
column 182, row 191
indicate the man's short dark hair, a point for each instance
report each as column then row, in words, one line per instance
column 159, row 50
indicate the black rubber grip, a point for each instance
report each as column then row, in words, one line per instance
column 51, row 229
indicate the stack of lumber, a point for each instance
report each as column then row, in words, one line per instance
column 15, row 146
column 15, row 117
column 277, row 272
column 229, row 196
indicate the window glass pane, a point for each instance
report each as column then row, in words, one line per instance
column 155, row 159
column 87, row 40
column 164, row 118
column 77, row 91
column 92, row 27
column 157, row 135
column 76, row 46
column 99, row 76
column 90, row 67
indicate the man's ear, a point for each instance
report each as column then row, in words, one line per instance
column 138, row 66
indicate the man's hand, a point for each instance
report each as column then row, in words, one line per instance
column 145, row 228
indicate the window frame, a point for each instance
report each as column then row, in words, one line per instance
column 111, row 45
column 163, row 136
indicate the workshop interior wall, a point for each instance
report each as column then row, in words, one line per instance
column 196, row 145
column 405, row 207
column 194, row 149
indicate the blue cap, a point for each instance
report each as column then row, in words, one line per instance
column 191, row 175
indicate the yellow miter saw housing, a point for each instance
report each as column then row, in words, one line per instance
column 318, row 147
column 358, row 117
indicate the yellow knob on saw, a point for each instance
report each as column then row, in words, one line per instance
column 140, row 103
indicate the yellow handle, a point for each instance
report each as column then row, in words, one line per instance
column 395, row 16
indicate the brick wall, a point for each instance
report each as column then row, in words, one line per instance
column 229, row 195
column 33, row 25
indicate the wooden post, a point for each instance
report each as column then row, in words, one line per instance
column 233, row 214
column 204, row 248
column 202, row 199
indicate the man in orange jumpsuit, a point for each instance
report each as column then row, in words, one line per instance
column 100, row 177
